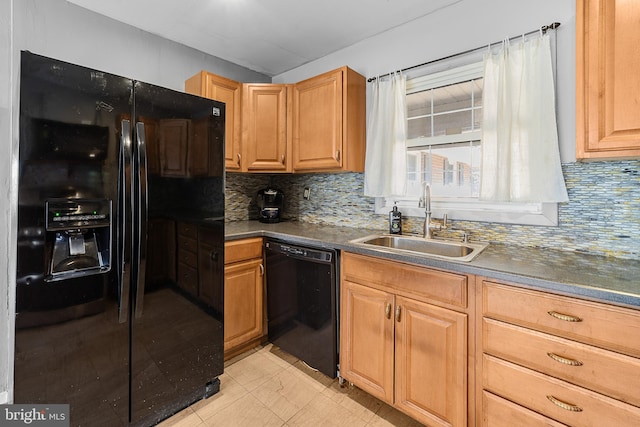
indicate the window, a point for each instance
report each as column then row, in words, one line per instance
column 444, row 127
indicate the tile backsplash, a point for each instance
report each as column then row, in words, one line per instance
column 602, row 216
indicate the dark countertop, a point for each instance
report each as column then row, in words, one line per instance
column 603, row 279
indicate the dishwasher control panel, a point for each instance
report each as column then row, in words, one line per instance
column 299, row 251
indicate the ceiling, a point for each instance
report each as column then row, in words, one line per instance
column 268, row 36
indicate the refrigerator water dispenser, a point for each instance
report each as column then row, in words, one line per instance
column 78, row 237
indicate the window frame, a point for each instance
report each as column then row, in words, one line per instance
column 543, row 214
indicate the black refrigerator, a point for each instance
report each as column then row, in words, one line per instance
column 109, row 169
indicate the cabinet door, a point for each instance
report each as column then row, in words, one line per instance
column 317, row 128
column 243, row 302
column 607, row 66
column 174, row 140
column 366, row 339
column 431, row 363
column 228, row 91
column 265, row 141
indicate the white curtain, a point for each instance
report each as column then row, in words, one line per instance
column 386, row 157
column 520, row 155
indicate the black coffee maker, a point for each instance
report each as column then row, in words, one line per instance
column 270, row 202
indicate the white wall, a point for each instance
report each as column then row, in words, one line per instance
column 465, row 25
column 7, row 203
column 67, row 32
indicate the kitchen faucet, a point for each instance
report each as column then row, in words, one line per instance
column 425, row 202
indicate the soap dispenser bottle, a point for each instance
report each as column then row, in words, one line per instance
column 395, row 221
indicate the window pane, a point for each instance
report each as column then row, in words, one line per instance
column 452, row 123
column 447, row 110
column 453, row 170
column 419, row 114
column 420, row 127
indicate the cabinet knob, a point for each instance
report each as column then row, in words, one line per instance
column 282, row 159
column 338, row 155
column 398, row 310
column 214, row 255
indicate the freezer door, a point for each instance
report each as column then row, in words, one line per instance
column 70, row 346
column 177, row 336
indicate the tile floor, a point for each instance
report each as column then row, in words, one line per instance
column 268, row 387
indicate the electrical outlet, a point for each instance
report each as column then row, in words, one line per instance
column 307, row 193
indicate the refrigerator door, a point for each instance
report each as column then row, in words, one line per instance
column 71, row 344
column 177, row 336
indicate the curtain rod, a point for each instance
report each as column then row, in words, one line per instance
column 544, row 29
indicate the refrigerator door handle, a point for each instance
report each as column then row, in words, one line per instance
column 141, row 212
column 124, row 222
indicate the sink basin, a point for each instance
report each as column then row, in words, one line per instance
column 413, row 245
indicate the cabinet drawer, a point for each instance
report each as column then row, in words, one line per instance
column 499, row 412
column 188, row 230
column 405, row 279
column 554, row 398
column 610, row 373
column 241, row 250
column 602, row 325
column 188, row 258
column 188, row 278
column 187, row 243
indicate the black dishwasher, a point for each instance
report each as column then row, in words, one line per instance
column 302, row 303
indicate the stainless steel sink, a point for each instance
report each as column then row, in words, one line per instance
column 418, row 246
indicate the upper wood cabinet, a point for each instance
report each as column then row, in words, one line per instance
column 607, row 83
column 316, row 125
column 225, row 90
column 329, row 129
column 266, row 141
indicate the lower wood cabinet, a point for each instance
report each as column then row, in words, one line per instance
column 402, row 347
column 243, row 295
column 557, row 359
column 499, row 412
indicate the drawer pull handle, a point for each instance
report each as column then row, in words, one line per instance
column 261, row 270
column 387, row 311
column 398, row 310
column 564, row 405
column 565, row 317
column 564, row 360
